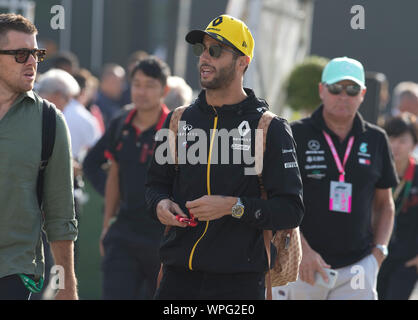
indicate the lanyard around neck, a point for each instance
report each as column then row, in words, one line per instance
column 340, row 165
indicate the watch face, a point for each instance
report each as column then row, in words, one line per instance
column 238, row 211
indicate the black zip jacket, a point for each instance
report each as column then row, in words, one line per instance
column 227, row 245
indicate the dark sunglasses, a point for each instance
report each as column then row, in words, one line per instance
column 215, row 50
column 352, row 89
column 22, row 55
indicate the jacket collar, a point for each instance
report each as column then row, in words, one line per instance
column 250, row 104
column 317, row 118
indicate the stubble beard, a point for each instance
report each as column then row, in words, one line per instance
column 224, row 77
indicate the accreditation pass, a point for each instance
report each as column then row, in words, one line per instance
column 340, row 196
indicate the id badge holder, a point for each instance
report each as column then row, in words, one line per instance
column 340, row 196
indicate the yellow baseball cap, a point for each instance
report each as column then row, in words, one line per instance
column 228, row 30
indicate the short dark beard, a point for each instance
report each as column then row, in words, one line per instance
column 225, row 76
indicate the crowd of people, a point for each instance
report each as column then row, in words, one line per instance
column 186, row 229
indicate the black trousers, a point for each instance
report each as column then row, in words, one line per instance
column 181, row 284
column 130, row 265
column 12, row 288
column 395, row 281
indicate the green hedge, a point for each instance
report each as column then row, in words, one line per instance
column 302, row 84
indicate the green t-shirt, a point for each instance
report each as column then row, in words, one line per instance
column 20, row 217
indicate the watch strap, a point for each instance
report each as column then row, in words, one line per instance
column 382, row 248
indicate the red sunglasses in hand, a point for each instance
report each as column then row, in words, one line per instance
column 191, row 222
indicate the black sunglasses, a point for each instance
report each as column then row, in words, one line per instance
column 215, row 50
column 352, row 89
column 22, row 55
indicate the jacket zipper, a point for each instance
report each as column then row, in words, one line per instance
column 215, row 125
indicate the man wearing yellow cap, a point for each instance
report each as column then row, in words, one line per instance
column 214, row 247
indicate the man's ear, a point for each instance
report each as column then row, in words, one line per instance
column 166, row 90
column 320, row 89
column 363, row 93
column 245, row 62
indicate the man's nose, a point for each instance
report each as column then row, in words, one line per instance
column 344, row 95
column 394, row 145
column 32, row 59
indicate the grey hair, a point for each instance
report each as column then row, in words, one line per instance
column 180, row 93
column 57, row 81
column 405, row 88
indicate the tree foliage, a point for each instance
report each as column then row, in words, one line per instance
column 302, row 84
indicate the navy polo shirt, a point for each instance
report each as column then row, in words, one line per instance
column 341, row 238
column 132, row 149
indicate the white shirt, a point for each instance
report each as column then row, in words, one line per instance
column 84, row 129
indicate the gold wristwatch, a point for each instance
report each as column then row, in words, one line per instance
column 238, row 209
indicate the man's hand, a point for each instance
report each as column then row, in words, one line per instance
column 67, row 294
column 412, row 263
column 311, row 263
column 209, row 208
column 379, row 256
column 167, row 211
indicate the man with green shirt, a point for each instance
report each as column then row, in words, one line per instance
column 21, row 254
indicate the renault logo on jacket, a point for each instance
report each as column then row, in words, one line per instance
column 244, row 128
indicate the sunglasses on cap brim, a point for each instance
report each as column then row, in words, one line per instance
column 352, row 89
column 22, row 55
column 215, row 50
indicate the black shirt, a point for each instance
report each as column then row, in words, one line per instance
column 341, row 238
column 404, row 242
column 133, row 150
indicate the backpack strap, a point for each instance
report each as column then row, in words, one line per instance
column 264, row 124
column 172, row 142
column 172, row 136
column 48, row 141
